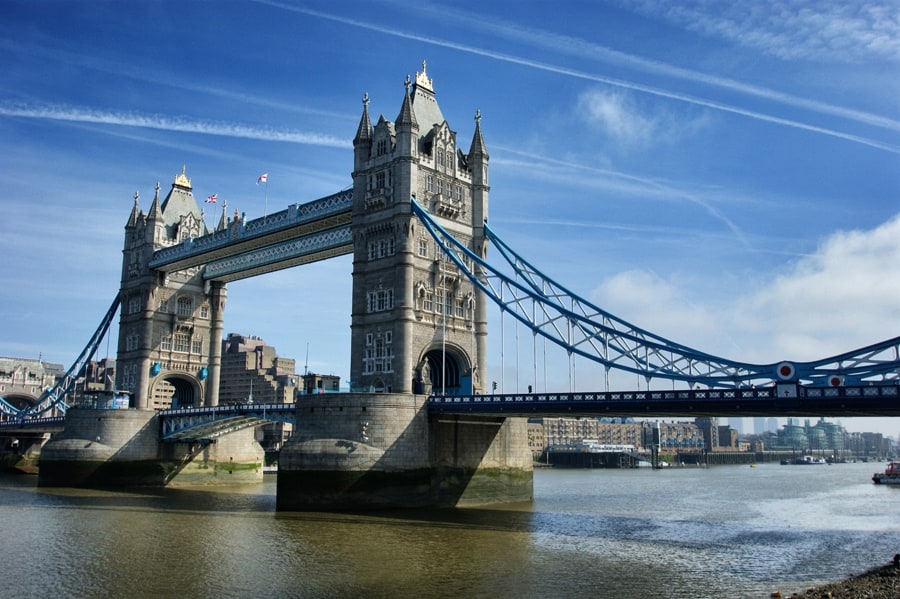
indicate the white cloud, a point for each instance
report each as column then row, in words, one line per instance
column 793, row 29
column 625, row 120
column 616, row 116
column 844, row 296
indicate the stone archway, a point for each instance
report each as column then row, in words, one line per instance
column 446, row 376
column 20, row 400
column 175, row 392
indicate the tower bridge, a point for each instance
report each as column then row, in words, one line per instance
column 420, row 426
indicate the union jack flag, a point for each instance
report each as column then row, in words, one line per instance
column 212, row 199
column 263, row 178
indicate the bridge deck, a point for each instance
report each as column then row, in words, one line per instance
column 783, row 400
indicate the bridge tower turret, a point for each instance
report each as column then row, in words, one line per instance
column 417, row 324
column 169, row 324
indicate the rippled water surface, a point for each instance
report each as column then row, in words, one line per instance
column 727, row 531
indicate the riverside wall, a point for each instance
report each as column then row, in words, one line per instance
column 371, row 451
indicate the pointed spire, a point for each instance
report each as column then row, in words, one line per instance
column 135, row 215
column 364, row 132
column 478, row 149
column 155, row 209
column 407, row 117
column 222, row 221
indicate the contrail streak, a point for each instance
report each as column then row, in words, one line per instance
column 590, row 77
column 128, row 119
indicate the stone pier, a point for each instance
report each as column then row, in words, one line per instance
column 372, row 451
column 122, row 448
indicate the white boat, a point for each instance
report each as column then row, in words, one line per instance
column 890, row 476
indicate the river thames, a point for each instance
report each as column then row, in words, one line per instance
column 724, row 531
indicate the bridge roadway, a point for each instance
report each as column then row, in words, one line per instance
column 782, row 400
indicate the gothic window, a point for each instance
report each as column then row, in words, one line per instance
column 165, row 343
column 134, row 305
column 381, row 248
column 423, row 248
column 182, row 342
column 163, row 306
column 428, row 302
column 440, row 158
column 185, row 306
column 440, row 185
column 379, row 356
column 381, row 148
column 196, row 346
column 379, row 180
column 204, row 311
column 429, row 183
column 461, row 304
column 132, row 342
column 381, row 300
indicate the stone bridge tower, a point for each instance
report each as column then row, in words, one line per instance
column 418, row 325
column 170, row 325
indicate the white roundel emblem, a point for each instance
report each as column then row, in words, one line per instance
column 785, row 371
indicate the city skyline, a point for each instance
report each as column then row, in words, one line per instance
column 723, row 176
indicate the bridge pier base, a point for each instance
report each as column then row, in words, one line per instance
column 21, row 451
column 379, row 451
column 121, row 448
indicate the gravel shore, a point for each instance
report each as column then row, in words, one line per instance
column 882, row 582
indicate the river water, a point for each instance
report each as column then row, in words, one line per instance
column 724, row 531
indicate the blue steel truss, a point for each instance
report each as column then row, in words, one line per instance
column 581, row 328
column 52, row 397
column 203, row 424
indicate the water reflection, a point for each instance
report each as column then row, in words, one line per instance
column 711, row 533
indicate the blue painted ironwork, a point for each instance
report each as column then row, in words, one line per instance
column 783, row 399
column 295, row 215
column 555, row 313
column 52, row 397
column 332, row 240
column 50, row 424
column 203, row 424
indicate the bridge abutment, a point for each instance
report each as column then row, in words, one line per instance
column 122, row 448
column 373, row 451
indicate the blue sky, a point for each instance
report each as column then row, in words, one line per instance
column 726, row 175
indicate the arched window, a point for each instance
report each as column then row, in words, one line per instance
column 185, row 306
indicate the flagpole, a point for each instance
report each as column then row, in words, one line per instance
column 266, row 209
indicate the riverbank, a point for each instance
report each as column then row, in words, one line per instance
column 882, row 582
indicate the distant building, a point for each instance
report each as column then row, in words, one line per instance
column 536, row 441
column 678, row 436
column 728, row 438
column 22, row 380
column 252, row 371
column 709, row 428
column 319, row 383
column 565, row 431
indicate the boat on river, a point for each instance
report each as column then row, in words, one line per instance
column 890, row 476
column 806, row 460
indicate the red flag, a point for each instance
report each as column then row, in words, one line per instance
column 212, row 199
column 263, row 178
